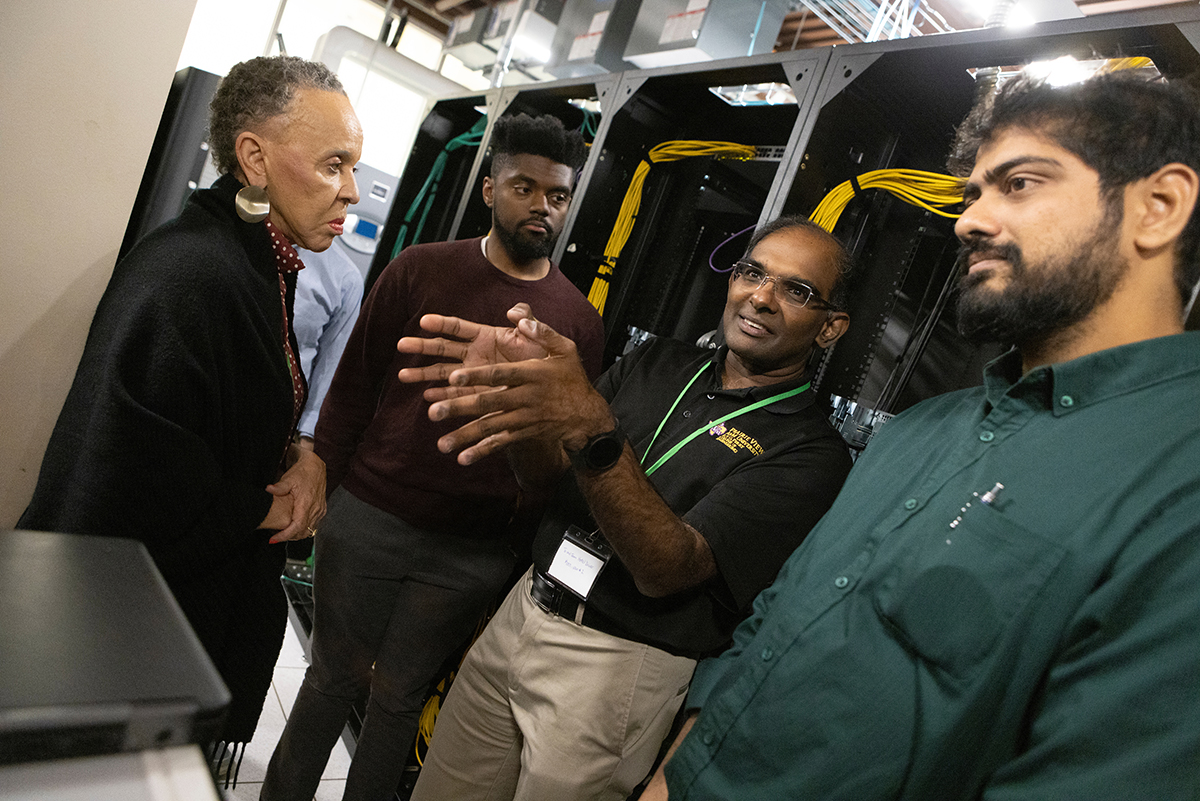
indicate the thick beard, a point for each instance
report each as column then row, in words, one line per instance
column 524, row 248
column 1042, row 302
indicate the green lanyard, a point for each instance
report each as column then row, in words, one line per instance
column 737, row 413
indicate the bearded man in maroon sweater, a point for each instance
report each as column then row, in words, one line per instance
column 415, row 545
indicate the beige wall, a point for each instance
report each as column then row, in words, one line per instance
column 83, row 87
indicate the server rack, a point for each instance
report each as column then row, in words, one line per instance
column 662, row 282
column 897, row 104
column 458, row 211
column 858, row 107
column 433, row 186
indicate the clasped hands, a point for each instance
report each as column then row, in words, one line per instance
column 519, row 384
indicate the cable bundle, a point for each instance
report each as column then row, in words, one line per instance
column 929, row 190
column 1126, row 63
column 926, row 190
column 673, row 150
column 433, row 705
column 591, row 124
column 428, row 719
column 428, row 191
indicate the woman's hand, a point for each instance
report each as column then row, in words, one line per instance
column 299, row 503
column 279, row 515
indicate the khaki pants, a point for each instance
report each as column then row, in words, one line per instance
column 546, row 709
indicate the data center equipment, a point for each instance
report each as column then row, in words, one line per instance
column 814, row 119
column 696, row 211
column 477, row 37
column 366, row 218
column 440, row 196
column 532, row 43
column 432, row 189
column 98, row 658
column 177, row 156
column 501, row 21
column 896, row 105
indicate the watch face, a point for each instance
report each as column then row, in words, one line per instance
column 604, row 452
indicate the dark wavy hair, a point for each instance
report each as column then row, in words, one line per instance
column 536, row 136
column 253, row 92
column 1122, row 125
column 839, row 295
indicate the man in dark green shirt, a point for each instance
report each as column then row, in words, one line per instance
column 1003, row 601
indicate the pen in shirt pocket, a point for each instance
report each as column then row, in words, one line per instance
column 986, row 499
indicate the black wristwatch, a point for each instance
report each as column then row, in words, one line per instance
column 602, row 452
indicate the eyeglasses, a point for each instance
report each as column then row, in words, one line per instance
column 751, row 277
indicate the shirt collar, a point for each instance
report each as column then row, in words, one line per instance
column 286, row 258
column 785, row 406
column 1069, row 386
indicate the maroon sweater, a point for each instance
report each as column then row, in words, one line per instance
column 374, row 432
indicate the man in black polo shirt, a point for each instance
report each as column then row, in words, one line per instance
column 677, row 487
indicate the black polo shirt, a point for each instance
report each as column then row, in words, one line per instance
column 753, row 486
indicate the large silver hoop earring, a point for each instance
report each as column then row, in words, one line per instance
column 252, row 203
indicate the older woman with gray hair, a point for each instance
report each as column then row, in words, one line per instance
column 178, row 429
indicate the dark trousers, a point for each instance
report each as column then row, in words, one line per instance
column 389, row 595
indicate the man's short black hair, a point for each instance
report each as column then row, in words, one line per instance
column 536, row 136
column 1122, row 125
column 839, row 295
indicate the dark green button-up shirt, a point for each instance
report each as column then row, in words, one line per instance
column 933, row 641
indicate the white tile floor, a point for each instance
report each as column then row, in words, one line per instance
column 289, row 672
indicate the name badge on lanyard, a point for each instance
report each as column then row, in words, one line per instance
column 580, row 559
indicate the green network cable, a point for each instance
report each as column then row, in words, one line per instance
column 423, row 202
column 591, row 123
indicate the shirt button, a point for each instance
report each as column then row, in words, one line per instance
column 707, row 738
column 840, row 582
column 710, row 397
column 687, row 414
column 1066, row 401
column 767, row 653
column 987, row 436
column 910, row 504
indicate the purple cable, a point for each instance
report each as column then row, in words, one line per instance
column 723, row 244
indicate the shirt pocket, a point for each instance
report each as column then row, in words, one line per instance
column 950, row 594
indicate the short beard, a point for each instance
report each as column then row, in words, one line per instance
column 523, row 248
column 1045, row 303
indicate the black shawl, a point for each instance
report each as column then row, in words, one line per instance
column 178, row 418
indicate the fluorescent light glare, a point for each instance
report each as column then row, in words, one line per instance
column 585, row 104
column 533, row 39
column 1063, row 71
column 1066, row 70
column 1019, row 17
column 526, row 48
column 756, row 94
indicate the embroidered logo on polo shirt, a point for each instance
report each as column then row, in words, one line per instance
column 734, row 439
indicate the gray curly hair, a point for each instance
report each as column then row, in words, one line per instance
column 253, row 92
